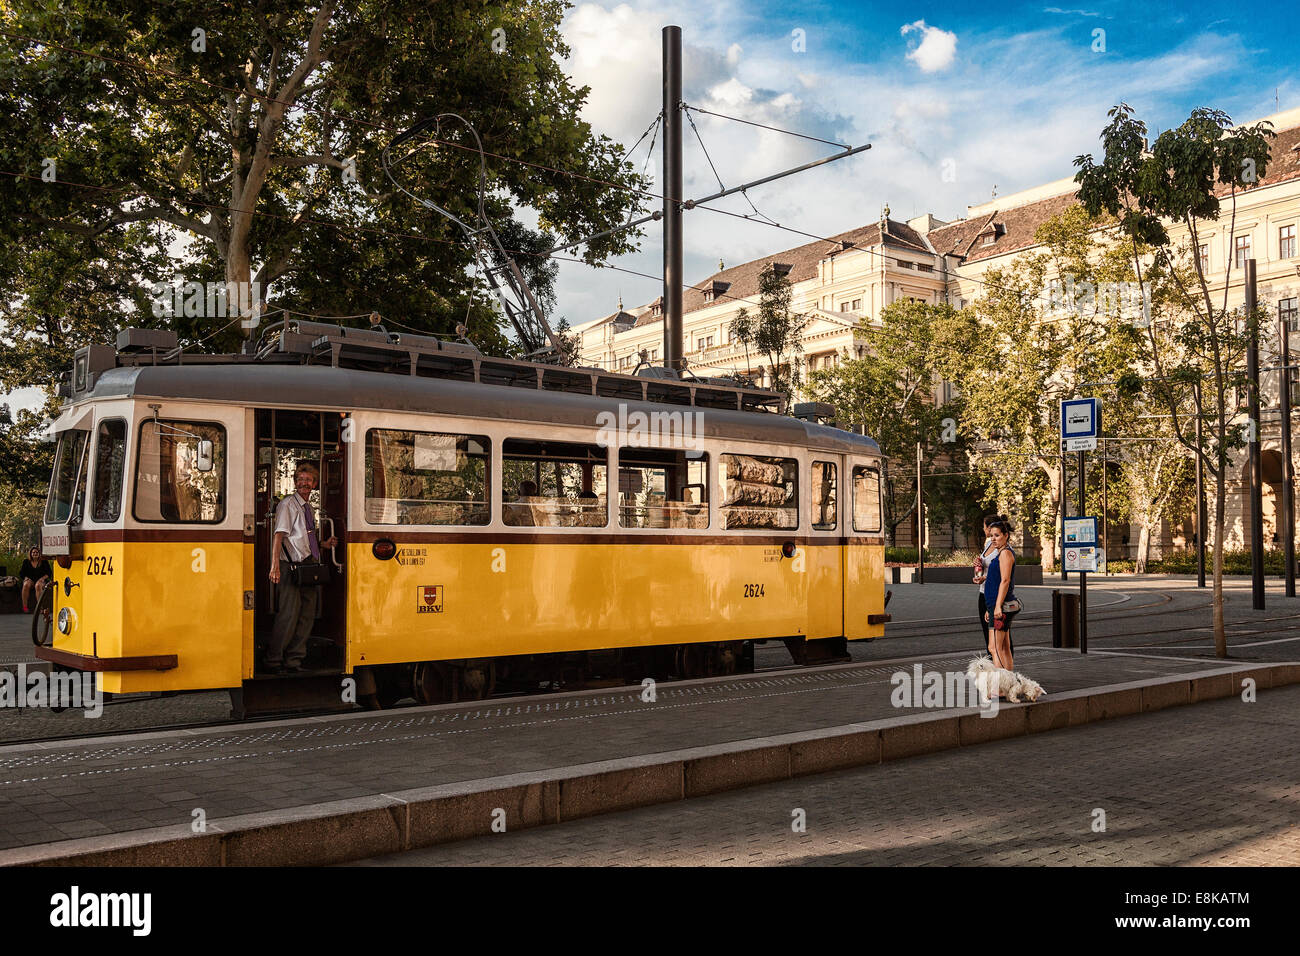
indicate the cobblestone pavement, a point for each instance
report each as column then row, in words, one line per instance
column 54, row 791
column 1149, row 615
column 1213, row 784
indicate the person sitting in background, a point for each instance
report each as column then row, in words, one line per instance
column 35, row 574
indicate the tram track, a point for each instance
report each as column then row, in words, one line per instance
column 1132, row 612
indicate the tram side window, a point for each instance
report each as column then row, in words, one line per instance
column 110, row 463
column 168, row 483
column 823, row 496
column 64, row 483
column 759, row 492
column 866, row 499
column 661, row 488
column 552, row 484
column 426, row 478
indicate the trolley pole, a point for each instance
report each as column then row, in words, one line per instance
column 1083, row 575
column 1288, row 475
column 672, row 186
column 1256, row 486
column 920, row 521
column 1200, row 498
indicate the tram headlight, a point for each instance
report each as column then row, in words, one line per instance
column 67, row 620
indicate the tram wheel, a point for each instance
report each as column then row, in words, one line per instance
column 693, row 661
column 477, row 680
column 43, row 619
column 431, row 682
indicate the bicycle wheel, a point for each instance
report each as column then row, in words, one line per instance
column 43, row 619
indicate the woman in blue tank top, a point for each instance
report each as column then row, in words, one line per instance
column 999, row 586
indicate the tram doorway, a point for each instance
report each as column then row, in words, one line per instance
column 285, row 438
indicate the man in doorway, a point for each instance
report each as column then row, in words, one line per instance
column 297, row 541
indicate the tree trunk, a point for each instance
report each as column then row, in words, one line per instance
column 1047, row 543
column 1144, row 546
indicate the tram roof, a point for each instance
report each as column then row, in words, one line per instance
column 327, row 387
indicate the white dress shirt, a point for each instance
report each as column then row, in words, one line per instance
column 291, row 518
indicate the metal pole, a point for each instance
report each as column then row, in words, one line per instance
column 1288, row 476
column 1200, row 498
column 1083, row 575
column 1256, row 486
column 673, row 325
column 920, row 521
column 1104, row 504
column 1060, row 529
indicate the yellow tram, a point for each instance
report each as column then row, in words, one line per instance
column 500, row 523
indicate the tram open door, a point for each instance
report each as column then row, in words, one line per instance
column 285, row 438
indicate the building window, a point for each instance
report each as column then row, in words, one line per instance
column 1286, row 242
column 1286, row 312
column 857, row 305
column 924, row 267
column 904, row 264
column 1241, row 248
column 844, row 306
column 989, row 239
column 1205, row 258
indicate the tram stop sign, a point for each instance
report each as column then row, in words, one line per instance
column 1080, row 423
column 1079, row 549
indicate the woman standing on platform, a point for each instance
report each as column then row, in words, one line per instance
column 1000, row 596
column 987, row 552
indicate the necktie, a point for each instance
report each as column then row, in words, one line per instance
column 311, row 531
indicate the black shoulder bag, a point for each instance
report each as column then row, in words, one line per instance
column 306, row 573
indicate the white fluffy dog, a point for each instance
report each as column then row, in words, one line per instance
column 992, row 680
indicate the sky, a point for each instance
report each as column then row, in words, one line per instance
column 955, row 102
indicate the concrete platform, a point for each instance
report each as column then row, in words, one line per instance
column 340, row 788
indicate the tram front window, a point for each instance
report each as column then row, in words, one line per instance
column 65, row 488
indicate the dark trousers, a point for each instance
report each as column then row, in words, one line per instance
column 293, row 623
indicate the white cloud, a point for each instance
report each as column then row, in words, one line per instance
column 1023, row 110
column 936, row 49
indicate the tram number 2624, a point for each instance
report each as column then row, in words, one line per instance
column 754, row 590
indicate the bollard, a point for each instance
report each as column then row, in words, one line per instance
column 1069, row 619
column 1056, row 618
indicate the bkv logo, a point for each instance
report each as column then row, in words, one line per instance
column 209, row 300
column 638, row 429
column 429, row 600
column 59, row 691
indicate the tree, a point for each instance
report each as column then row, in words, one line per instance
column 1156, row 474
column 776, row 333
column 1195, row 346
column 891, row 391
column 1054, row 326
column 247, row 138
